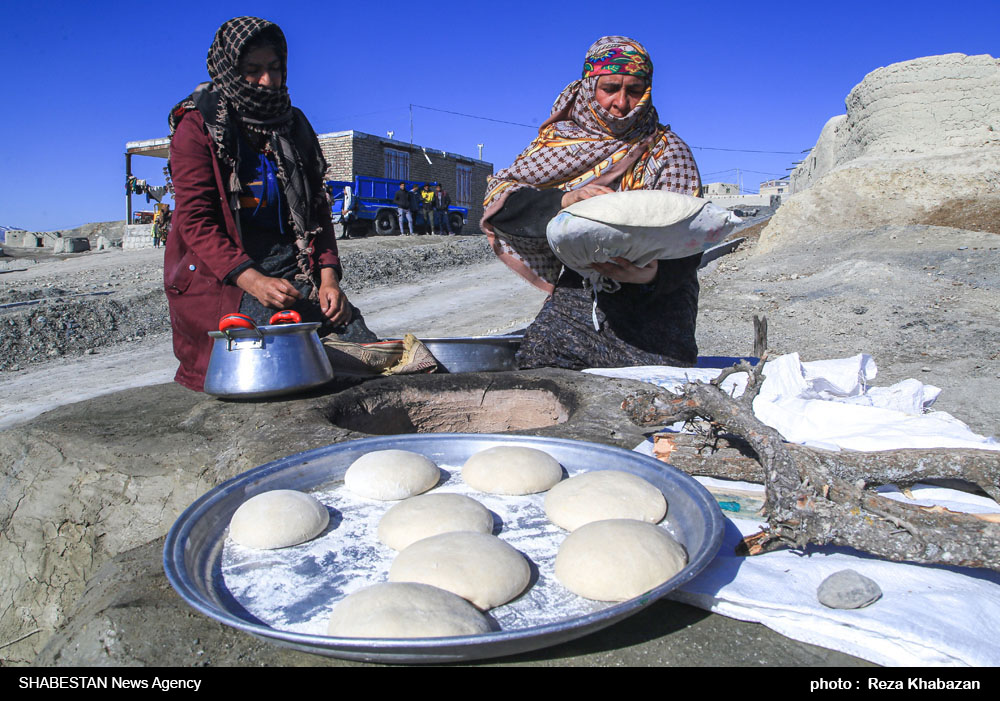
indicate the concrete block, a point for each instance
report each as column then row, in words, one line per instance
column 137, row 236
column 76, row 244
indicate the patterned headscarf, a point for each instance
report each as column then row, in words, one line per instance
column 617, row 56
column 582, row 144
column 257, row 102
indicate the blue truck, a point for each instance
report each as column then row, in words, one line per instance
column 365, row 206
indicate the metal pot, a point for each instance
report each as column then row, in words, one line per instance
column 250, row 361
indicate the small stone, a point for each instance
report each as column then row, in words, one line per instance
column 848, row 590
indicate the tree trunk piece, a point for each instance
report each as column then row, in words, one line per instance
column 818, row 497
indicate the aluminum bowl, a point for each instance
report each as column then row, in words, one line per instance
column 474, row 353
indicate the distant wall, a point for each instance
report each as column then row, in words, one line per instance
column 24, row 239
column 137, row 236
column 935, row 104
column 708, row 189
column 919, row 137
column 32, row 239
column 744, row 200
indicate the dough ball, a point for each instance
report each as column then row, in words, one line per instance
column 478, row 567
column 601, row 495
column 405, row 610
column 430, row 514
column 278, row 519
column 510, row 469
column 617, row 560
column 389, row 475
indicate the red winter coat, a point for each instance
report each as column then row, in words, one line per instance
column 204, row 247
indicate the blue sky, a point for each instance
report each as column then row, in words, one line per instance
column 88, row 77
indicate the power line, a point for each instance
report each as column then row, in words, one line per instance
column 760, row 172
column 473, row 116
column 744, row 170
column 744, row 150
column 535, row 126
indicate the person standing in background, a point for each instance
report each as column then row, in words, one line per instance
column 402, row 201
column 442, row 201
column 415, row 201
column 427, row 196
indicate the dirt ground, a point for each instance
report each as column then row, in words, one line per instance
column 115, row 334
column 921, row 300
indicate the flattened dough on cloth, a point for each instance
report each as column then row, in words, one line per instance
column 389, row 475
column 648, row 208
column 511, row 469
column 405, row 610
column 478, row 567
column 278, row 519
column 639, row 225
column 425, row 515
column 603, row 494
column 618, row 559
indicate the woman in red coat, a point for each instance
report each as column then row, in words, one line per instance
column 251, row 229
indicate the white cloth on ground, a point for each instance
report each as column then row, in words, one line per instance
column 827, row 404
column 928, row 615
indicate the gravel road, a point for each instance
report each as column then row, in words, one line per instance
column 97, row 322
column 921, row 300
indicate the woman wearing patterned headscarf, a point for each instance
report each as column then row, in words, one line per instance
column 252, row 230
column 603, row 136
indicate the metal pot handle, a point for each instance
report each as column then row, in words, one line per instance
column 234, row 321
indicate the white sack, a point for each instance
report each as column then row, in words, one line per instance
column 639, row 225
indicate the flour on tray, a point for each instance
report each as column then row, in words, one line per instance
column 297, row 588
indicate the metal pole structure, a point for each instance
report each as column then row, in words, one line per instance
column 411, row 125
column 128, row 190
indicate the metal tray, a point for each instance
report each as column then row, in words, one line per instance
column 194, row 546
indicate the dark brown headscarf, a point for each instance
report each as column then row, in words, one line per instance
column 251, row 101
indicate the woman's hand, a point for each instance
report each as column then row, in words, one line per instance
column 332, row 300
column 622, row 270
column 584, row 193
column 273, row 292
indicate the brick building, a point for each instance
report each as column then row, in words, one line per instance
column 350, row 153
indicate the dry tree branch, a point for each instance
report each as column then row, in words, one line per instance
column 818, row 497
